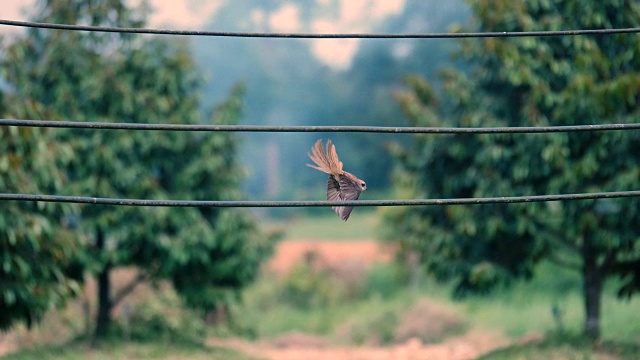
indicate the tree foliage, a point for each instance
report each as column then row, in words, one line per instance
column 207, row 253
column 37, row 249
column 529, row 82
column 287, row 84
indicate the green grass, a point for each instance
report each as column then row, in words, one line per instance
column 566, row 348
column 269, row 314
column 527, row 307
column 283, row 318
column 362, row 225
column 529, row 312
column 523, row 309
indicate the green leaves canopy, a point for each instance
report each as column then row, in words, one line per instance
column 528, row 82
column 113, row 77
column 37, row 250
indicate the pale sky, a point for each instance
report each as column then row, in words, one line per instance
column 355, row 16
column 9, row 10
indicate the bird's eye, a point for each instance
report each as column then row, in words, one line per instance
column 363, row 184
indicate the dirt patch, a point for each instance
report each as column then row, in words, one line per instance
column 299, row 340
column 426, row 322
column 468, row 346
column 330, row 254
column 9, row 342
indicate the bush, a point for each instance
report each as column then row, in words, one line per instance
column 377, row 329
column 163, row 318
column 310, row 285
column 384, row 280
column 429, row 321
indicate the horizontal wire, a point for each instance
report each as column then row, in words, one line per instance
column 269, row 128
column 256, row 204
column 315, row 36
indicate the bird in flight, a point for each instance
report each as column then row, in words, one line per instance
column 341, row 185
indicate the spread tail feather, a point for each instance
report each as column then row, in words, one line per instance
column 326, row 162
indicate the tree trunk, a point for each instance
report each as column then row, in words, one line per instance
column 592, row 291
column 103, row 321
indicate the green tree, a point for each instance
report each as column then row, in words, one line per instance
column 37, row 249
column 528, row 82
column 88, row 76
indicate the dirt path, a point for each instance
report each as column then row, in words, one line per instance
column 468, row 346
column 337, row 254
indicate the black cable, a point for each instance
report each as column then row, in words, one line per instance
column 269, row 128
column 315, row 36
column 408, row 202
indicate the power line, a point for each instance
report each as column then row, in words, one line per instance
column 406, row 202
column 269, row 128
column 315, row 36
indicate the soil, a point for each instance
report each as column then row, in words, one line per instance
column 300, row 346
column 331, row 254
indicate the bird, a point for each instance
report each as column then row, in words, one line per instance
column 341, row 185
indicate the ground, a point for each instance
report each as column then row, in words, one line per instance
column 361, row 253
column 333, row 254
column 300, row 346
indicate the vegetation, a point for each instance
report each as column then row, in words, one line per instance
column 37, row 248
column 196, row 261
column 563, row 347
column 379, row 309
column 366, row 89
column 208, row 254
column 528, row 82
column 358, row 95
column 272, row 309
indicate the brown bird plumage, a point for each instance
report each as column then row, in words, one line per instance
column 341, row 184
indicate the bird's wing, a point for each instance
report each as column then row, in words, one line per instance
column 333, row 189
column 349, row 188
column 346, row 189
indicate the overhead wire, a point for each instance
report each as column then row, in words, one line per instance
column 313, row 128
column 311, row 203
column 129, row 30
column 259, row 128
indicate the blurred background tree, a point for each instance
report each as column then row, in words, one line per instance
column 38, row 249
column 288, row 84
column 116, row 77
column 209, row 254
column 531, row 81
column 367, row 87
